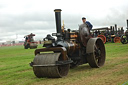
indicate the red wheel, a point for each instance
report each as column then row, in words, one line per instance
column 117, row 40
column 103, row 38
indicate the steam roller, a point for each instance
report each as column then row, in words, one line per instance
column 70, row 49
column 124, row 37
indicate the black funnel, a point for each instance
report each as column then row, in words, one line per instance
column 58, row 22
column 127, row 24
column 115, row 28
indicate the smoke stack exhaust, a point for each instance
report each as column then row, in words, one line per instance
column 58, row 22
column 115, row 28
column 127, row 24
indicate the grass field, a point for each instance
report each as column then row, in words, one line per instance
column 15, row 69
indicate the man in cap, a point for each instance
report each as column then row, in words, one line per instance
column 87, row 23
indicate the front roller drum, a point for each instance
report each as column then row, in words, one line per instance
column 45, row 65
column 96, row 52
column 33, row 45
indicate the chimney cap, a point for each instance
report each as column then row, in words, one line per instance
column 57, row 10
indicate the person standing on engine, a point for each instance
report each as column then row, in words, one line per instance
column 87, row 23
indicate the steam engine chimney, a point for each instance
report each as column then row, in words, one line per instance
column 58, row 23
column 127, row 24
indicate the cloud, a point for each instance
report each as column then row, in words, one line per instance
column 21, row 17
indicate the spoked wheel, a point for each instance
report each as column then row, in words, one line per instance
column 96, row 52
column 44, row 65
column 117, row 40
column 102, row 37
column 123, row 39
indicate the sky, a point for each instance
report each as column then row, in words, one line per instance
column 22, row 17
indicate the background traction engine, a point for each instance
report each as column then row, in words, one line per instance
column 124, row 37
column 71, row 48
column 29, row 42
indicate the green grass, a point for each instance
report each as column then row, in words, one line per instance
column 15, row 69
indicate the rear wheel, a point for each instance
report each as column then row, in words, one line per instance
column 103, row 38
column 123, row 39
column 117, row 40
column 96, row 52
